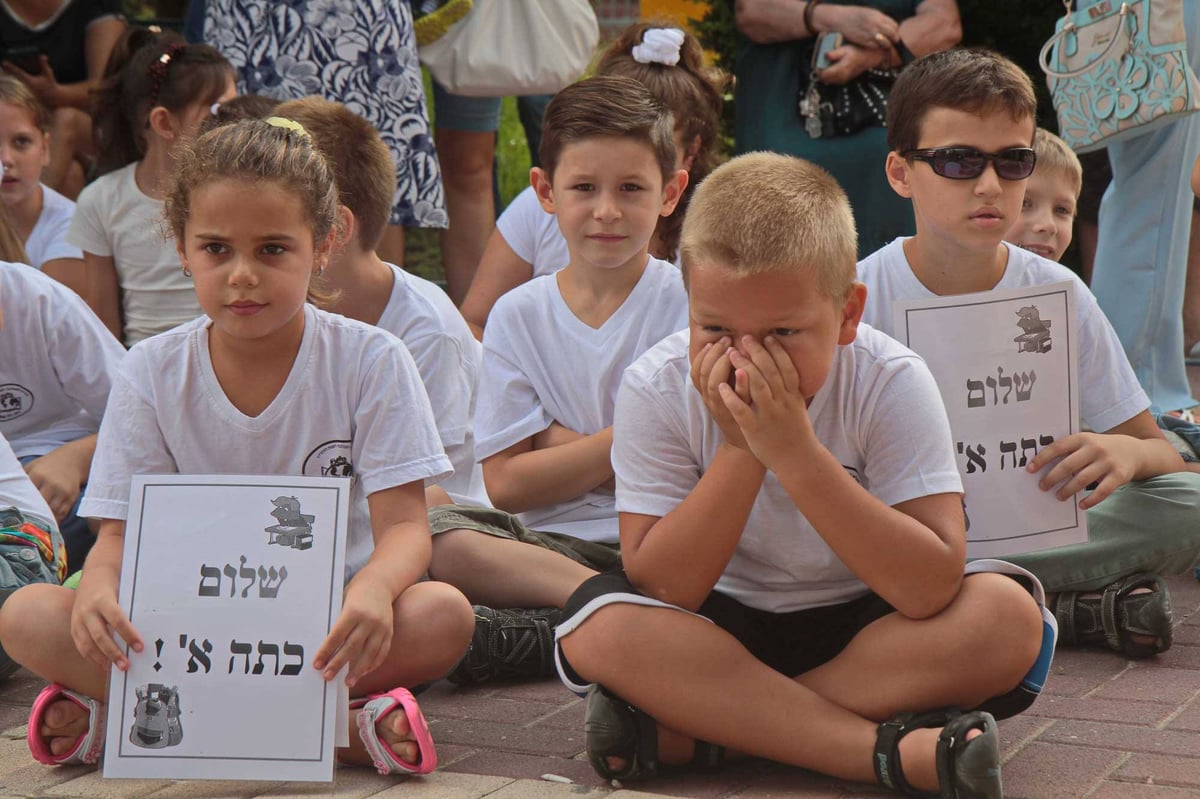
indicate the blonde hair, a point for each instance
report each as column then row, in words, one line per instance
column 765, row 212
column 12, row 249
column 15, row 92
column 1055, row 155
column 255, row 151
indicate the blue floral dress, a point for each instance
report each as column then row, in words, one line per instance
column 362, row 54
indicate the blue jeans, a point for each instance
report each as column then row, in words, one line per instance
column 1141, row 253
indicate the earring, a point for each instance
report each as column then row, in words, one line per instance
column 320, row 270
column 187, row 272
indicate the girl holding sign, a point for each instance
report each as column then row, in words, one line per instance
column 260, row 385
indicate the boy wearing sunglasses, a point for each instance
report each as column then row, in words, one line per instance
column 960, row 126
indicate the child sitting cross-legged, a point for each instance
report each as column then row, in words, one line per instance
column 792, row 530
column 257, row 385
column 553, row 354
column 961, row 130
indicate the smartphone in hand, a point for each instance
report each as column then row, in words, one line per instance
column 826, row 41
column 27, row 57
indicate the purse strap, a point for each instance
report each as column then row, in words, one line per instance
column 1069, row 27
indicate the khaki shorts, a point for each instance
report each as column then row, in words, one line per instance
column 593, row 554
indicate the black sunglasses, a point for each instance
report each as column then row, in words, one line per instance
column 966, row 163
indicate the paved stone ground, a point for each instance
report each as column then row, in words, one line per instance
column 1105, row 728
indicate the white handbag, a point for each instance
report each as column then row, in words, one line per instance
column 514, row 47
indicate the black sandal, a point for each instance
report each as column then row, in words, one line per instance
column 1118, row 614
column 614, row 728
column 966, row 769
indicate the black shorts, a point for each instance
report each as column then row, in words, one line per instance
column 791, row 643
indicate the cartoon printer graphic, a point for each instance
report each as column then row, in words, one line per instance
column 294, row 529
column 1035, row 335
column 156, row 717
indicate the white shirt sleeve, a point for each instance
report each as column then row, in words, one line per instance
column 87, row 231
column 508, row 409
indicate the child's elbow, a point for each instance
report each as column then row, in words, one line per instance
column 931, row 596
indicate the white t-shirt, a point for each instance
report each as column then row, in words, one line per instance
column 541, row 364
column 1109, row 392
column 533, row 234
column 18, row 491
column 48, row 239
column 879, row 413
column 447, row 355
column 352, row 404
column 57, row 361
column 115, row 219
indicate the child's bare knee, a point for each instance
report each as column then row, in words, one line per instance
column 595, row 645
column 1006, row 616
column 28, row 611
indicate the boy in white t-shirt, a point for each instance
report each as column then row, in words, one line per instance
column 792, row 530
column 57, row 361
column 960, row 126
column 363, row 287
column 553, row 354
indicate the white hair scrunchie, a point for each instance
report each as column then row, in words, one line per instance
column 659, row 46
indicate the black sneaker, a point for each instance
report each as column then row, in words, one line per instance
column 509, row 643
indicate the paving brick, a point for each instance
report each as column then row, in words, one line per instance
column 1160, row 770
column 1125, row 790
column 486, row 707
column 568, row 717
column 1093, row 709
column 1042, row 771
column 451, row 753
column 34, row 778
column 550, row 689
column 348, row 783
column 91, row 784
column 545, row 789
column 726, row 781
column 1188, row 718
column 523, row 766
column 1077, row 671
column 12, row 715
column 1180, row 657
column 215, row 789
column 1121, row 737
column 623, row 793
column 1151, row 682
column 532, row 740
column 785, row 782
column 445, row 785
column 1018, row 730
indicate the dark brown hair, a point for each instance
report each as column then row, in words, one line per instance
column 961, row 79
column 362, row 163
column 693, row 93
column 148, row 69
column 607, row 106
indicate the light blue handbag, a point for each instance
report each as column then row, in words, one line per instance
column 1119, row 69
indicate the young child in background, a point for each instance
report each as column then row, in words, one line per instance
column 31, row 549
column 792, row 530
column 363, row 287
column 960, row 125
column 156, row 92
column 670, row 63
column 1047, row 220
column 57, row 363
column 254, row 387
column 39, row 214
column 553, row 355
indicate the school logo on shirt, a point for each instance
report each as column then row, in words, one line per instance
column 331, row 459
column 14, row 401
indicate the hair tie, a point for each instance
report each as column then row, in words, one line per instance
column 158, row 70
column 287, row 124
column 659, row 46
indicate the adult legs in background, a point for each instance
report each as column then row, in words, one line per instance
column 1142, row 251
column 464, row 131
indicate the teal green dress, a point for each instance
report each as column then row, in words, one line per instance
column 766, row 96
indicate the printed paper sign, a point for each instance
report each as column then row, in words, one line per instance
column 1006, row 364
column 233, row 582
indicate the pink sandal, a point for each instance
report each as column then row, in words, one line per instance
column 377, row 706
column 90, row 745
